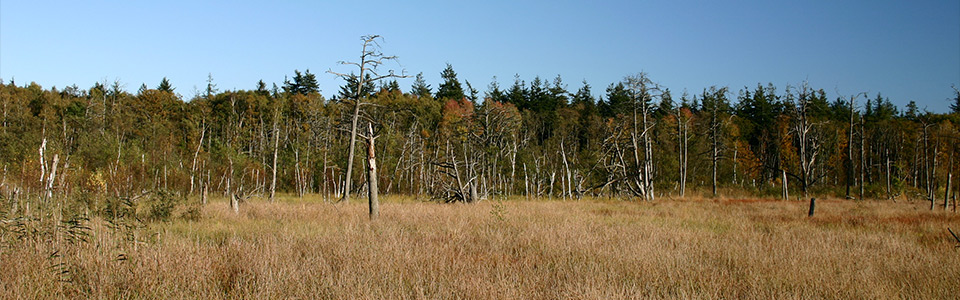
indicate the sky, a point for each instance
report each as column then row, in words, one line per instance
column 906, row 50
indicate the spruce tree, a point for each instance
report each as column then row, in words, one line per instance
column 165, row 86
column 420, row 87
column 450, row 89
column 955, row 107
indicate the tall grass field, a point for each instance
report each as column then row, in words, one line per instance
column 494, row 249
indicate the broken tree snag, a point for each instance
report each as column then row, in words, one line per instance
column 813, row 203
column 784, row 192
column 372, row 174
column 276, row 146
column 954, row 236
column 370, row 59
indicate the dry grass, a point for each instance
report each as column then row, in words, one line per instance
column 595, row 249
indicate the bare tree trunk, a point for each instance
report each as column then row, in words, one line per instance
column 193, row 166
column 926, row 164
column 849, row 172
column 230, row 195
column 785, row 192
column 372, row 174
column 569, row 185
column 276, row 146
column 715, row 158
column 683, row 158
column 946, row 192
column 353, row 142
column 53, row 176
column 370, row 59
column 715, row 148
column 863, row 156
column 526, row 181
column 204, row 187
column 889, row 186
column 680, row 145
column 43, row 164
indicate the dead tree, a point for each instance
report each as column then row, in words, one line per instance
column 464, row 189
column 683, row 137
column 808, row 137
column 849, row 161
column 928, row 171
column 276, row 146
column 370, row 59
column 715, row 103
column 640, row 88
column 946, row 191
column 372, row 189
column 193, row 166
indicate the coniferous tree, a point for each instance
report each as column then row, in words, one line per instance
column 450, row 89
column 420, row 87
column 583, row 96
column 517, row 94
column 165, row 86
column 955, row 106
column 349, row 88
column 302, row 84
column 262, row 88
column 493, row 91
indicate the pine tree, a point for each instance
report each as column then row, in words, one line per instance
column 493, row 91
column 583, row 96
column 955, row 107
column 211, row 87
column 420, row 87
column 262, row 88
column 450, row 89
column 472, row 92
column 165, row 86
column 303, row 83
column 349, row 89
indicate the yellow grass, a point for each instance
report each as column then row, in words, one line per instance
column 592, row 249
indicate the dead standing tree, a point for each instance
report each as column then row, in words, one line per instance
column 640, row 88
column 684, row 117
column 716, row 106
column 850, row 132
column 370, row 59
column 809, row 138
column 372, row 189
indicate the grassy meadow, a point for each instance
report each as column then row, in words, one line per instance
column 512, row 249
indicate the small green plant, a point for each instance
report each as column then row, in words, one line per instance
column 499, row 210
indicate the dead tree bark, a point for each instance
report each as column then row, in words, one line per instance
column 808, row 138
column 785, row 190
column 927, row 171
column 568, row 185
column 196, row 154
column 863, row 156
column 683, row 128
column 946, row 192
column 53, row 176
column 370, row 59
column 640, row 87
column 276, row 146
column 372, row 190
column 850, row 175
column 886, row 155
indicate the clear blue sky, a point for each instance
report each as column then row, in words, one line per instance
column 907, row 50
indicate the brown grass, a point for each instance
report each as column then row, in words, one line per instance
column 594, row 249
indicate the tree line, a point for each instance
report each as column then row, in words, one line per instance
column 536, row 138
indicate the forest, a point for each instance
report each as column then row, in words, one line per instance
column 108, row 193
column 537, row 138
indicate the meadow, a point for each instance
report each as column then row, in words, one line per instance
column 498, row 249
